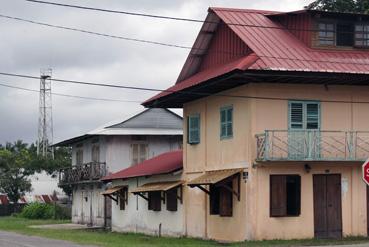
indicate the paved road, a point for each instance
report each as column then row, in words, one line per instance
column 10, row 239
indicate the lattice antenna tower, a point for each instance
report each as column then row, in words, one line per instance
column 45, row 119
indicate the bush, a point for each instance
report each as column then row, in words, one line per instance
column 43, row 211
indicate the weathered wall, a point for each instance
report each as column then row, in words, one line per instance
column 116, row 152
column 353, row 201
column 137, row 218
column 253, row 116
column 88, row 205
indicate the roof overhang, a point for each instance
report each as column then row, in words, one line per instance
column 73, row 140
column 157, row 186
column 237, row 78
column 213, row 177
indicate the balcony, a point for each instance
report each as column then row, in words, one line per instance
column 85, row 173
column 312, row 145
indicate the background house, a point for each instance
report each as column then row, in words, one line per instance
column 112, row 148
column 274, row 150
column 148, row 197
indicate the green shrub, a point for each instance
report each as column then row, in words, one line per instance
column 44, row 211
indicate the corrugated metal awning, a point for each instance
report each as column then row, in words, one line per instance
column 157, row 186
column 113, row 190
column 213, row 177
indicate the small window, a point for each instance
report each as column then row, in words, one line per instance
column 361, row 35
column 285, row 195
column 193, row 129
column 123, row 198
column 345, row 34
column 304, row 115
column 214, row 199
column 226, row 122
column 326, row 34
column 221, row 200
column 139, row 152
column 79, row 156
column 154, row 200
column 95, row 153
column 172, row 201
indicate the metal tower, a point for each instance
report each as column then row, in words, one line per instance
column 45, row 120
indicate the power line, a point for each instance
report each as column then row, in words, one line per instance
column 116, row 11
column 94, row 33
column 172, row 17
column 174, row 45
column 172, row 91
column 69, row 95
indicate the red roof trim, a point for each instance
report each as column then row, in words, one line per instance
column 240, row 64
column 276, row 48
column 161, row 164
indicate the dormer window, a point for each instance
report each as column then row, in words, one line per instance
column 345, row 34
column 362, row 35
column 326, row 34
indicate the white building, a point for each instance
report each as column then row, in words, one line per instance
column 147, row 197
column 110, row 149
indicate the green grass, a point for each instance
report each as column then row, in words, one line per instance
column 109, row 239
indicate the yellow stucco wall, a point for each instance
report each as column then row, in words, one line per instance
column 253, row 116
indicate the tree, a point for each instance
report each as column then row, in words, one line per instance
column 18, row 161
column 351, row 6
column 15, row 169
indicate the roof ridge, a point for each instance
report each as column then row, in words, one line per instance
column 259, row 11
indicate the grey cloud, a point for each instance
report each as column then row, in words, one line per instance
column 25, row 48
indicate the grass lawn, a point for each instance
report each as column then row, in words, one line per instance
column 108, row 239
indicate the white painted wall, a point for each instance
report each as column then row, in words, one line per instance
column 43, row 184
column 138, row 219
column 116, row 152
column 82, row 209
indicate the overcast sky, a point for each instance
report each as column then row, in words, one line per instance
column 25, row 48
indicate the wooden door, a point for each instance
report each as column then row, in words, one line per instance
column 327, row 206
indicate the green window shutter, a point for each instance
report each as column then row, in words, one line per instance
column 304, row 115
column 296, row 118
column 226, row 122
column 193, row 129
column 230, row 122
column 312, row 116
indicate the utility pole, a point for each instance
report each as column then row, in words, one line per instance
column 45, row 119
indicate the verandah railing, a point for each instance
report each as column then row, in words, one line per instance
column 82, row 173
column 302, row 145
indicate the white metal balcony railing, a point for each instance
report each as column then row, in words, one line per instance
column 309, row 145
column 91, row 171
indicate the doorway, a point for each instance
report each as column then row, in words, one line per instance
column 327, row 206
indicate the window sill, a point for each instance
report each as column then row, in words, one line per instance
column 193, row 143
column 226, row 137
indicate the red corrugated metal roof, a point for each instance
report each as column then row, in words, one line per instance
column 274, row 48
column 238, row 64
column 161, row 164
column 46, row 198
column 4, row 200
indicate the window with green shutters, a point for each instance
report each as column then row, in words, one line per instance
column 226, row 122
column 304, row 115
column 193, row 129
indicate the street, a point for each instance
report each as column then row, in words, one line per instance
column 17, row 240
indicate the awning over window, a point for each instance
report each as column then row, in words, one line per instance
column 113, row 190
column 157, row 186
column 213, row 177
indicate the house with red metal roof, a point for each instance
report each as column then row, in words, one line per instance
column 276, row 107
column 147, row 197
